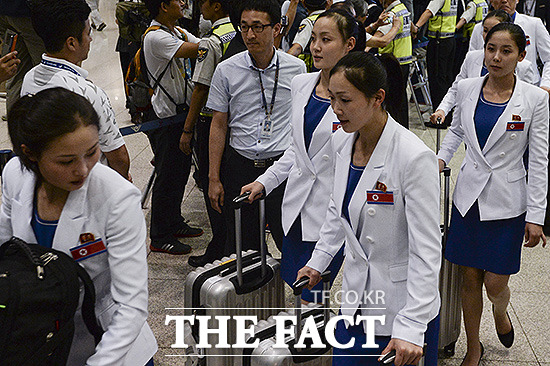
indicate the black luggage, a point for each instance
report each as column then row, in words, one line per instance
column 39, row 295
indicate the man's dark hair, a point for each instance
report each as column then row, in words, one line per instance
column 271, row 7
column 56, row 20
column 225, row 4
column 154, row 6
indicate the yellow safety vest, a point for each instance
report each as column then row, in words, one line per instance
column 481, row 11
column 401, row 45
column 306, row 54
column 443, row 24
column 225, row 32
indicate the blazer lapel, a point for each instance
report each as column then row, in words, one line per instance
column 372, row 172
column 468, row 122
column 341, row 172
column 72, row 220
column 301, row 102
column 22, row 211
column 322, row 133
column 514, row 104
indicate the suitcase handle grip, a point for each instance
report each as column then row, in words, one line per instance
column 23, row 247
column 299, row 285
column 240, row 200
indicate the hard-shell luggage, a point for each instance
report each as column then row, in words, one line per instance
column 449, row 285
column 246, row 283
column 266, row 354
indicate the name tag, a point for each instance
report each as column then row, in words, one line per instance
column 515, row 126
column 336, row 126
column 379, row 198
column 88, row 250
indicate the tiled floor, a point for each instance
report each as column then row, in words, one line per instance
column 530, row 305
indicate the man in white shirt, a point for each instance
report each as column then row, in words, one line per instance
column 167, row 51
column 64, row 27
column 538, row 39
column 250, row 96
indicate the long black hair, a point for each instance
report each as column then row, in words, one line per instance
column 37, row 120
column 370, row 73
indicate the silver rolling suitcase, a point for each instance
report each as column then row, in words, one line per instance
column 246, row 283
column 449, row 285
column 266, row 355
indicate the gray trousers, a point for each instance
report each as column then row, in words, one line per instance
column 29, row 50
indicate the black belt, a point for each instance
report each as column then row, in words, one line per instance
column 258, row 163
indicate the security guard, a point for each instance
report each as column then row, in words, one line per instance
column 300, row 45
column 401, row 48
column 211, row 49
column 475, row 12
column 441, row 47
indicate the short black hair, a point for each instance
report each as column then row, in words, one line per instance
column 271, row 7
column 225, row 4
column 154, row 6
column 37, row 120
column 56, row 20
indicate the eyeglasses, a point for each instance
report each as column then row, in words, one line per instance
column 256, row 28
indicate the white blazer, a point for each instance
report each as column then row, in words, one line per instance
column 107, row 206
column 471, row 68
column 538, row 44
column 309, row 172
column 394, row 248
column 495, row 176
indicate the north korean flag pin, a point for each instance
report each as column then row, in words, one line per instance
column 516, row 117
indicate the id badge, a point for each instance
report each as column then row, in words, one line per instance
column 266, row 128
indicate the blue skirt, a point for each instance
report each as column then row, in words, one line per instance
column 493, row 246
column 296, row 253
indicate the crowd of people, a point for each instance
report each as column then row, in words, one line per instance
column 304, row 104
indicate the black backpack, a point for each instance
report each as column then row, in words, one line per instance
column 39, row 294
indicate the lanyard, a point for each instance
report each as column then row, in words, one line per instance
column 264, row 100
column 60, row 66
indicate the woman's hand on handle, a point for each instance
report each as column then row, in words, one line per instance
column 314, row 276
column 256, row 190
column 437, row 117
column 441, row 165
column 533, row 234
column 406, row 353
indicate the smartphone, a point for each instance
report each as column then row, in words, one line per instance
column 9, row 42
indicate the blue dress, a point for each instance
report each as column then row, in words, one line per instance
column 297, row 252
column 494, row 245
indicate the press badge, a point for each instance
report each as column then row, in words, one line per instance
column 379, row 198
column 266, row 127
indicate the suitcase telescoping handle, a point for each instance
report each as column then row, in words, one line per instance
column 446, row 203
column 297, row 288
column 239, row 201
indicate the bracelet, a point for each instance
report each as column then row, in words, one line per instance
column 188, row 132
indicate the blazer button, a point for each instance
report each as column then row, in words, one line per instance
column 371, row 211
column 370, row 240
column 299, row 172
column 353, row 255
column 325, row 157
column 502, row 154
column 475, row 165
column 513, row 136
column 313, row 177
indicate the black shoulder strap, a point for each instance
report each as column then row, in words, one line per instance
column 88, row 304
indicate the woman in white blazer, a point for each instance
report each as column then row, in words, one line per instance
column 499, row 118
column 308, row 163
column 473, row 67
column 54, row 194
column 385, row 203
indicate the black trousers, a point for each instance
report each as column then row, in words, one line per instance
column 403, row 111
column 237, row 172
column 172, row 167
column 439, row 58
column 216, row 247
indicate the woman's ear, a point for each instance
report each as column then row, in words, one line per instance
column 379, row 97
column 351, row 44
column 28, row 153
column 522, row 55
